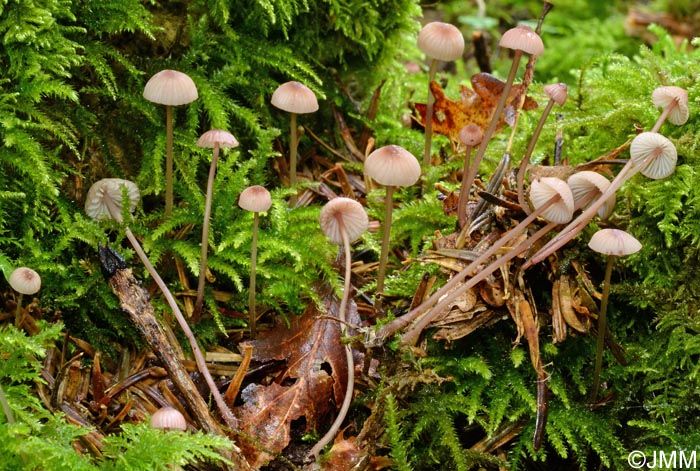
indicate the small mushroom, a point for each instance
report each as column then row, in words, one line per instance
column 215, row 139
column 168, row 418
column 255, row 199
column 390, row 166
column 294, row 98
column 170, row 88
column 674, row 103
column 440, row 42
column 471, row 136
column 612, row 243
column 586, row 186
column 24, row 280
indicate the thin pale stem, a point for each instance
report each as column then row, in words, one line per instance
column 252, row 322
column 169, row 199
column 293, row 145
column 464, row 190
column 400, row 322
column 526, row 158
column 429, row 115
column 205, row 234
column 386, row 235
column 6, row 407
column 664, row 114
column 602, row 328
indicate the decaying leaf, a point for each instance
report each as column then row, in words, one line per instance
column 312, row 381
column 476, row 105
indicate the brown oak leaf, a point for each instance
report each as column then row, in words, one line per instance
column 310, row 385
column 476, row 105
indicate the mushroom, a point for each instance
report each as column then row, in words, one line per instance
column 522, row 39
column 557, row 93
column 613, row 243
column 24, row 280
column 440, row 42
column 390, row 166
column 215, row 139
column 168, row 418
column 343, row 220
column 105, row 199
column 294, row 98
column 674, row 102
column 471, row 136
column 255, row 199
column 586, row 186
column 651, row 153
column 550, row 196
column 170, row 88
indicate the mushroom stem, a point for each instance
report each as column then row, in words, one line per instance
column 526, row 157
column 205, row 234
column 400, row 322
column 429, row 114
column 464, row 190
column 664, row 114
column 384, row 256
column 18, row 310
column 335, row 427
column 293, row 144
column 602, row 328
column 251, row 291
column 169, row 200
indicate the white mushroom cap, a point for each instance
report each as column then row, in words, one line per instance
column 168, row 418
column 557, row 92
column 441, row 41
column 170, row 87
column 523, row 38
column 255, row 198
column 545, row 188
column 614, row 242
column 587, row 186
column 663, row 97
column 350, row 212
column 25, row 280
column 655, row 154
column 214, row 136
column 392, row 165
column 104, row 198
column 294, row 97
column 471, row 135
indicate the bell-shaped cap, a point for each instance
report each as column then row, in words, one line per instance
column 25, row 280
column 294, row 97
column 558, row 92
column 216, row 136
column 663, row 97
column 654, row 154
column 170, row 87
column 471, row 135
column 587, row 186
column 392, row 165
column 255, row 199
column 523, row 38
column 544, row 189
column 168, row 418
column 104, row 198
column 614, row 242
column 441, row 41
column 343, row 213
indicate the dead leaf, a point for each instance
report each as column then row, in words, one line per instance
column 475, row 106
column 311, row 384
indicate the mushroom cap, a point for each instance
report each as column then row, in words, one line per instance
column 441, row 41
column 350, row 212
column 294, row 97
column 614, row 242
column 392, row 165
column 471, row 135
column 557, row 92
column 214, row 136
column 663, row 97
column 655, row 154
column 96, row 205
column 25, row 280
column 168, row 418
column 586, row 186
column 255, row 198
column 545, row 188
column 523, row 38
column 170, row 87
